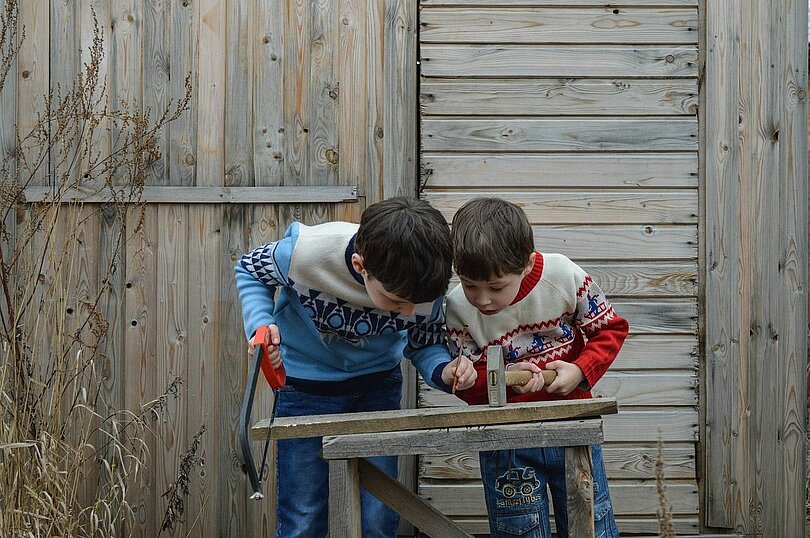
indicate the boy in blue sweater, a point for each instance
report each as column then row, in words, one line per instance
column 352, row 301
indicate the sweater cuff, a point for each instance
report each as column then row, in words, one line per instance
column 437, row 378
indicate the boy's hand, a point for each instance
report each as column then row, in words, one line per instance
column 569, row 376
column 273, row 350
column 461, row 368
column 535, row 383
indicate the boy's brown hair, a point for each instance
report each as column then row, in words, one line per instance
column 491, row 238
column 405, row 244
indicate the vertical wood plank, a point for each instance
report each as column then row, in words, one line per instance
column 579, row 490
column 211, row 88
column 297, row 86
column 65, row 63
column 268, row 90
column 172, row 344
column 352, row 109
column 722, row 270
column 204, row 371
column 156, row 31
column 185, row 28
column 376, row 74
column 324, row 93
column 239, row 104
column 344, row 499
column 33, row 80
column 98, row 140
column 139, row 370
column 401, row 153
column 8, row 143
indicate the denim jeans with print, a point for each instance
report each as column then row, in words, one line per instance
column 302, row 477
column 515, row 491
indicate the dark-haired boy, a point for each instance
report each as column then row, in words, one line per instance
column 548, row 314
column 352, row 301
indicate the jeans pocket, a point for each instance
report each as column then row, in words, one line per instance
column 604, row 519
column 522, row 525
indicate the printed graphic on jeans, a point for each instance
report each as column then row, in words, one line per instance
column 517, row 486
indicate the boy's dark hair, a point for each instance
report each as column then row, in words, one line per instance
column 405, row 244
column 491, row 238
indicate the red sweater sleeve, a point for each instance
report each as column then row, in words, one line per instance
column 603, row 344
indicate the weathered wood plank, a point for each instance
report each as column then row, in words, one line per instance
column 344, row 499
column 33, row 64
column 593, row 97
column 211, row 151
column 639, row 527
column 235, row 74
column 668, row 425
column 552, row 3
column 183, row 61
column 535, row 25
column 655, row 317
column 401, row 153
column 616, row 242
column 202, row 195
column 622, row 462
column 629, row 388
column 64, row 62
column 269, row 58
column 297, row 87
column 628, row 498
column 156, row 74
column 498, row 171
column 652, row 352
column 436, row 441
column 411, row 419
column 558, row 61
column 575, row 134
column 584, row 207
column 353, row 111
column 323, row 105
column 377, row 74
column 579, row 490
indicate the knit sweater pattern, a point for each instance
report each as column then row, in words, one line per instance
column 559, row 314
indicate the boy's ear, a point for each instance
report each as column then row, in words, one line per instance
column 357, row 263
column 530, row 265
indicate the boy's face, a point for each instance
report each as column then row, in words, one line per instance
column 382, row 298
column 496, row 293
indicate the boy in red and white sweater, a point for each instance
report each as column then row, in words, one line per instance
column 546, row 313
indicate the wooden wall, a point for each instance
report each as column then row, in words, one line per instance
column 586, row 116
column 300, row 110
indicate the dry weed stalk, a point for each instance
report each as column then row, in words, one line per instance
column 665, row 523
column 68, row 457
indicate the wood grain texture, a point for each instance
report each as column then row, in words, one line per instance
column 156, row 73
column 33, row 82
column 211, row 151
column 579, row 490
column 593, row 97
column 270, row 57
column 353, row 110
column 323, row 124
column 184, row 27
column 556, row 3
column 535, row 25
column 297, row 88
column 232, row 27
column 344, row 498
column 556, row 61
column 618, row 242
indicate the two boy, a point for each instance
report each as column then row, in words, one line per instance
column 353, row 300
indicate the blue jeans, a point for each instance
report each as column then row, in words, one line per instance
column 515, row 491
column 302, row 477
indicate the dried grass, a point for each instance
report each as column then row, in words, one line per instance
column 69, row 460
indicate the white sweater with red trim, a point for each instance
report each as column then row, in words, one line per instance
column 558, row 314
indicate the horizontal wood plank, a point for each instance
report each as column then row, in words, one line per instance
column 615, row 97
column 622, row 462
column 559, row 3
column 638, row 527
column 467, row 499
column 528, row 171
column 570, row 134
column 596, row 61
column 653, row 352
column 535, row 25
column 200, row 195
column 648, row 426
column 648, row 389
column 584, row 207
column 619, row 242
column 659, row 317
column 417, row 419
column 439, row 440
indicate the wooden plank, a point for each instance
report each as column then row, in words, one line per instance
column 412, row 419
column 140, row 298
column 618, row 242
column 344, row 498
column 592, row 97
column 323, row 106
column 156, row 55
column 579, row 490
column 601, row 61
column 584, row 207
column 467, row 499
column 33, row 64
column 574, row 134
column 536, row 25
column 668, row 425
column 435, row 441
column 631, row 388
column 202, row 195
column 520, row 171
column 297, row 86
column 405, row 502
column 268, row 93
column 659, row 317
column 212, row 50
column 184, row 26
column 353, row 97
column 63, row 65
column 639, row 527
column 622, row 462
column 377, row 45
column 551, row 3
column 234, row 71
column 652, row 352
column 401, row 152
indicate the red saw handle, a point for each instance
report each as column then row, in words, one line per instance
column 276, row 377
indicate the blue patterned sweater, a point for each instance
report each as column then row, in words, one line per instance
column 330, row 329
